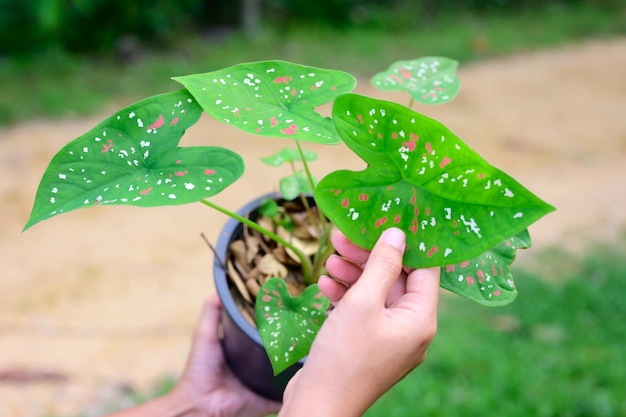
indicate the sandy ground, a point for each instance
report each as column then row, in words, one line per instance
column 106, row 298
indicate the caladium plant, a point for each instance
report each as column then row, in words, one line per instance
column 458, row 211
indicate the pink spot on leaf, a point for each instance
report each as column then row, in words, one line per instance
column 145, row 192
column 432, row 251
column 405, row 73
column 209, row 171
column 174, row 122
column 363, row 197
column 464, row 264
column 429, row 148
column 159, row 122
column 291, row 130
column 285, row 79
column 360, row 117
column 445, row 162
column 497, row 293
column 273, row 121
column 450, row 268
column 345, row 203
column 107, row 146
column 413, row 228
column 380, row 222
column 397, row 219
column 179, row 173
column 470, row 280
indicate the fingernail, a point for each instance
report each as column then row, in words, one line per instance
column 394, row 237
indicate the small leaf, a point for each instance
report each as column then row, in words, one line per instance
column 271, row 98
column 133, row 158
column 422, row 178
column 287, row 324
column 429, row 80
column 288, row 155
column 292, row 186
column 487, row 279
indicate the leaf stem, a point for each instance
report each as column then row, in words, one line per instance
column 307, row 267
column 309, row 176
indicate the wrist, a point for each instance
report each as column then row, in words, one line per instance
column 319, row 396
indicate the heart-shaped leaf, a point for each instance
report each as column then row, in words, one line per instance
column 133, row 158
column 429, row 80
column 288, row 155
column 487, row 279
column 271, row 98
column 422, row 178
column 294, row 185
column 287, row 324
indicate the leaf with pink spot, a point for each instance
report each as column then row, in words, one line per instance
column 429, row 80
column 271, row 98
column 288, row 325
column 487, row 279
column 133, row 158
column 422, row 178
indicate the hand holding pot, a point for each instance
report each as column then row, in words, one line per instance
column 207, row 387
column 377, row 333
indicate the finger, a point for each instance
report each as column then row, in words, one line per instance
column 383, row 267
column 209, row 320
column 332, row 289
column 397, row 290
column 422, row 289
column 343, row 270
column 349, row 250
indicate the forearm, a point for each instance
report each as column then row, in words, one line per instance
column 173, row 404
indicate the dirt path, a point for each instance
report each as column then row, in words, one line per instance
column 107, row 298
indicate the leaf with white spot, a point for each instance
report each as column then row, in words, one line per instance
column 271, row 98
column 133, row 158
column 288, row 325
column 487, row 279
column 422, row 178
column 429, row 80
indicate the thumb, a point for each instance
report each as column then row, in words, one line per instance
column 384, row 265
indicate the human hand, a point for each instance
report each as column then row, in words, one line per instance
column 377, row 333
column 208, row 383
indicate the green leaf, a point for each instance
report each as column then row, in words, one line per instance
column 487, row 279
column 288, row 324
column 422, row 178
column 271, row 98
column 288, row 155
column 133, row 158
column 292, row 186
column 429, row 80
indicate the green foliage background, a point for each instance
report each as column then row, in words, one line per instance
column 34, row 26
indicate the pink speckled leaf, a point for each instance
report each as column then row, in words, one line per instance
column 133, row 158
column 487, row 279
column 429, row 80
column 422, row 178
column 287, row 324
column 271, row 98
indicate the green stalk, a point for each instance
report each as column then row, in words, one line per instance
column 411, row 103
column 324, row 250
column 307, row 267
column 309, row 177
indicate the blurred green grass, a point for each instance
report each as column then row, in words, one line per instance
column 56, row 84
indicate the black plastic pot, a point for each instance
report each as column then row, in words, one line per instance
column 241, row 343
